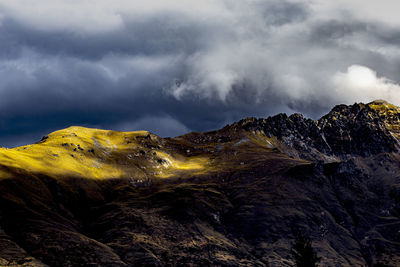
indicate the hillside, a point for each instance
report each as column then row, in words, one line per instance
column 232, row 197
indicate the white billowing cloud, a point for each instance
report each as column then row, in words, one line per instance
column 214, row 72
column 284, row 61
column 361, row 84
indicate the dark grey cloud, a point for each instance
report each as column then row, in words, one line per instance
column 171, row 68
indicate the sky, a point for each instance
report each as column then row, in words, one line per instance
column 176, row 66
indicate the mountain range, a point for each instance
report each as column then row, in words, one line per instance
column 238, row 196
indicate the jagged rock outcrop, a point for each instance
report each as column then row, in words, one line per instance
column 356, row 130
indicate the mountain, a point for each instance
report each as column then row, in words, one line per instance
column 238, row 196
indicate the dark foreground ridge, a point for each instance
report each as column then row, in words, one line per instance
column 239, row 196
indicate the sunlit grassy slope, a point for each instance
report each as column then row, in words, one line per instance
column 140, row 155
column 95, row 153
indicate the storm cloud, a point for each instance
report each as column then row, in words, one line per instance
column 178, row 66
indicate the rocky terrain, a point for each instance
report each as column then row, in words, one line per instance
column 232, row 197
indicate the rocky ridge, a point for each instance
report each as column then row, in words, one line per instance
column 346, row 131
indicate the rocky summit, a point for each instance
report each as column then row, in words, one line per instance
column 238, row 196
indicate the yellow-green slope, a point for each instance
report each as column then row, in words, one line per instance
column 95, row 153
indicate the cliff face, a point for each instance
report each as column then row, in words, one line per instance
column 232, row 197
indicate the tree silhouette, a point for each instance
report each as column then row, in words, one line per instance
column 303, row 253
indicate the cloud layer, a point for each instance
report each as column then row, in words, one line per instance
column 175, row 66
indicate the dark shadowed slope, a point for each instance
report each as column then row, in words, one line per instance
column 233, row 197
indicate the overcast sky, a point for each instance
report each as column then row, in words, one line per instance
column 178, row 65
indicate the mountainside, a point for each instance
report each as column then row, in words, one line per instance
column 237, row 196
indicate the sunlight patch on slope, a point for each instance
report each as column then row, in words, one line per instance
column 383, row 107
column 75, row 151
column 196, row 165
column 101, row 154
